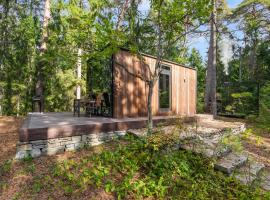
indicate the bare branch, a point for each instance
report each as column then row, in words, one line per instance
column 131, row 73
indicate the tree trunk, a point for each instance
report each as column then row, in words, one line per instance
column 122, row 14
column 79, row 74
column 39, row 84
column 207, row 92
column 149, row 107
column 240, row 65
column 252, row 61
column 154, row 77
column 211, row 76
column 252, row 54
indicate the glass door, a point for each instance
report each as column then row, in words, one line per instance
column 165, row 89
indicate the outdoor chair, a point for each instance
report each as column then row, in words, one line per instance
column 76, row 107
column 90, row 107
column 38, row 100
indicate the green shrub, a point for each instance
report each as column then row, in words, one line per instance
column 265, row 105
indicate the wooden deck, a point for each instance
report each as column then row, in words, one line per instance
column 55, row 125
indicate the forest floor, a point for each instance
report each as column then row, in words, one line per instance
column 255, row 140
column 87, row 173
column 9, row 127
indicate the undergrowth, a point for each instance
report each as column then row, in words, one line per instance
column 134, row 168
column 143, row 169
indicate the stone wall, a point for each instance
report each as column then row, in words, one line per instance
column 52, row 146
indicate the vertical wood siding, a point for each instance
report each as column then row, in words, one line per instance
column 130, row 92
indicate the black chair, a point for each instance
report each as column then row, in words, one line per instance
column 76, row 107
column 38, row 100
column 90, row 108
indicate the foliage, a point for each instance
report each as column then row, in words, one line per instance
column 20, row 34
column 140, row 168
column 234, row 141
column 60, row 89
column 71, row 26
column 263, row 120
column 195, row 60
column 249, row 64
column 265, row 97
column 240, row 102
column 92, row 27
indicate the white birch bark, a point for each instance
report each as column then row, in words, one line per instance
column 79, row 73
column 47, row 16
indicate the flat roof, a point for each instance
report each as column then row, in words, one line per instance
column 163, row 60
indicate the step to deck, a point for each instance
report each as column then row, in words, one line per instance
column 223, row 151
column 230, row 162
column 253, row 168
column 246, row 179
column 249, row 172
column 207, row 150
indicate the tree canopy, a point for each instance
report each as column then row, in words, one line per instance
column 100, row 27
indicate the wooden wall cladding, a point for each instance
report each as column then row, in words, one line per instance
column 130, row 91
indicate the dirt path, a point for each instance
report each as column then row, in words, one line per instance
column 9, row 127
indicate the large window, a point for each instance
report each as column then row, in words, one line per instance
column 164, row 88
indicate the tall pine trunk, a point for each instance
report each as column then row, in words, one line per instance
column 210, row 102
column 43, row 47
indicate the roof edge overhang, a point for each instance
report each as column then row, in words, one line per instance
column 163, row 60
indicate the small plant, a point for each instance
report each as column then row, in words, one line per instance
column 16, row 196
column 232, row 141
column 5, row 167
column 28, row 158
column 3, row 185
column 37, row 186
column 31, row 168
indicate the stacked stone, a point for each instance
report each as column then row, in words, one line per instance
column 52, row 146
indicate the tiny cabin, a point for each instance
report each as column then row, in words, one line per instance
column 174, row 93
